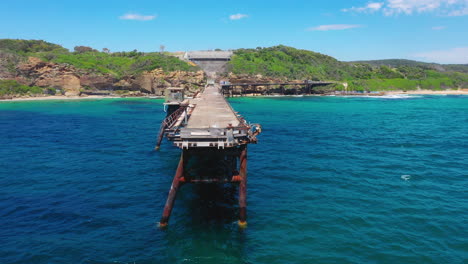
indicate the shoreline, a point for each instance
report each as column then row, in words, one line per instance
column 382, row 93
column 429, row 92
column 63, row 97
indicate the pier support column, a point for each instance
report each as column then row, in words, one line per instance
column 176, row 182
column 243, row 188
column 160, row 137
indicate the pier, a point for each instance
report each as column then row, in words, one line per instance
column 208, row 132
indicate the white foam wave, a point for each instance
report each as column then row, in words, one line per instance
column 406, row 177
column 398, row 96
column 391, row 96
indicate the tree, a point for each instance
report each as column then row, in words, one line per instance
column 106, row 50
column 50, row 56
column 83, row 49
column 162, row 48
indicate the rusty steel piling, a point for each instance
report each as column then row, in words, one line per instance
column 176, row 182
column 243, row 187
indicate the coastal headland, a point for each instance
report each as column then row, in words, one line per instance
column 37, row 70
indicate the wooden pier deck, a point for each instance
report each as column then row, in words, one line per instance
column 208, row 121
column 212, row 110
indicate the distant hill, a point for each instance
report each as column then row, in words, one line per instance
column 117, row 64
column 400, row 62
column 130, row 70
column 290, row 63
column 22, row 46
column 287, row 62
column 37, row 67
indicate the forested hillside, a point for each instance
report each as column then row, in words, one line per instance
column 117, row 64
column 290, row 63
column 85, row 68
column 411, row 63
column 37, row 67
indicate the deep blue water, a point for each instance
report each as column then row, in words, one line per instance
column 332, row 180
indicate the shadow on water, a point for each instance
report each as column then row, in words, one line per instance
column 211, row 204
column 203, row 227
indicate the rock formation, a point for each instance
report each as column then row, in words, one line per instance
column 157, row 80
column 73, row 81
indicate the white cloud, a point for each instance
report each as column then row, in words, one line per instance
column 411, row 6
column 370, row 7
column 455, row 55
column 439, row 28
column 333, row 27
column 459, row 12
column 237, row 16
column 408, row 7
column 133, row 16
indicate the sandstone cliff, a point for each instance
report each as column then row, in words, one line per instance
column 70, row 80
column 155, row 81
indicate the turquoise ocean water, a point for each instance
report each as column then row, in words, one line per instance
column 332, row 180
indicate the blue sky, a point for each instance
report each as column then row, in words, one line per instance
column 426, row 30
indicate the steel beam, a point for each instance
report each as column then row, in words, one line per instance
column 176, row 182
column 243, row 188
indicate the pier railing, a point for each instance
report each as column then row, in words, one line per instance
column 169, row 122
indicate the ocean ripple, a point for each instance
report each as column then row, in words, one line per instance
column 332, row 180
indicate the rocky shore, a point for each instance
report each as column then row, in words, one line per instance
column 67, row 80
column 64, row 81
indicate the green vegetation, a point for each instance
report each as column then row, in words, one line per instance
column 282, row 61
column 25, row 47
column 290, row 63
column 117, row 64
column 12, row 87
column 401, row 84
column 397, row 63
column 279, row 62
column 121, row 63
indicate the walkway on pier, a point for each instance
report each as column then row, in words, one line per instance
column 206, row 121
column 212, row 110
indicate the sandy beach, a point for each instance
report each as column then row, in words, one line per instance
column 429, row 92
column 62, row 97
